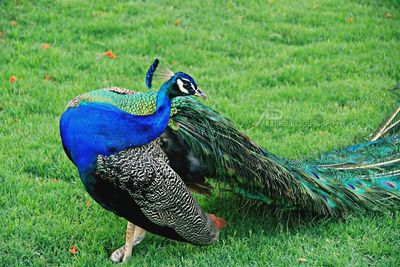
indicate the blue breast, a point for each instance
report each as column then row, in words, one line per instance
column 93, row 129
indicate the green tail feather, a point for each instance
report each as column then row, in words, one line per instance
column 361, row 177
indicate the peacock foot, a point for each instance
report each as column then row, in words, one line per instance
column 118, row 255
column 134, row 235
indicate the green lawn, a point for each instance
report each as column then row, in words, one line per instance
column 323, row 66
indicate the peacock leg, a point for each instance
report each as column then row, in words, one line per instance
column 136, row 238
column 134, row 235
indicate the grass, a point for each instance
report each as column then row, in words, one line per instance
column 323, row 66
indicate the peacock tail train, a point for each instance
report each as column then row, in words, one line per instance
column 360, row 177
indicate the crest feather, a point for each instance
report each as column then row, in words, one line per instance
column 157, row 72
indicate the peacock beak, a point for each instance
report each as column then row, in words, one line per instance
column 200, row 93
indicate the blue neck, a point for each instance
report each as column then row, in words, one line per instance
column 163, row 107
column 93, row 129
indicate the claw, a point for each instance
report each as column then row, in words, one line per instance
column 118, row 255
column 134, row 235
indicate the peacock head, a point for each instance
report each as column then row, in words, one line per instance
column 181, row 84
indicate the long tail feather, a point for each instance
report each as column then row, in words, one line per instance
column 361, row 177
column 392, row 125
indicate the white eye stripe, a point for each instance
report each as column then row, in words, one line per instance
column 181, row 88
column 191, row 84
column 179, row 82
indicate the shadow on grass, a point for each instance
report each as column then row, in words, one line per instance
column 244, row 220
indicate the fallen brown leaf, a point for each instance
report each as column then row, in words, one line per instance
column 73, row 250
column 13, row 23
column 350, row 19
column 110, row 54
column 388, row 15
column 13, row 79
column 54, row 180
column 301, row 260
column 48, row 77
column 178, row 22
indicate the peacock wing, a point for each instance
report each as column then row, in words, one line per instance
column 154, row 196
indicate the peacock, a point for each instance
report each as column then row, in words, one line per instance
column 140, row 155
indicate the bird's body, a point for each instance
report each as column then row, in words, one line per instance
column 123, row 168
column 144, row 177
